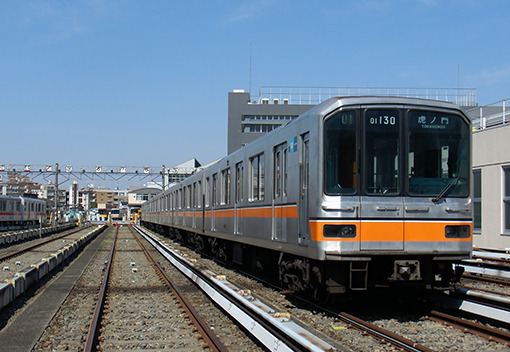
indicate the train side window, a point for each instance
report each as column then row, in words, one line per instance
column 239, row 182
column 280, row 170
column 207, row 192
column 225, row 186
column 340, row 143
column 194, row 196
column 199, row 195
column 188, row 197
column 214, row 189
column 257, row 171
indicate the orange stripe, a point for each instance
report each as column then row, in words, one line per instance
column 262, row 212
column 432, row 231
column 387, row 231
column 391, row 231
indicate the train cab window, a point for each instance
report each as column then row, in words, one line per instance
column 340, row 153
column 382, row 152
column 438, row 154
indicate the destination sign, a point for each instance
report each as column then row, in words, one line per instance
column 382, row 119
column 432, row 120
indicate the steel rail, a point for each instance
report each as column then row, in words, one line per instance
column 469, row 276
column 487, row 332
column 383, row 334
column 273, row 330
column 95, row 324
column 210, row 338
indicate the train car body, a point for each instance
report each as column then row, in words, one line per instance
column 356, row 193
column 21, row 212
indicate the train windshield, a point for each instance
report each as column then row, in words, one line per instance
column 438, row 154
column 382, row 151
column 340, row 153
column 436, row 148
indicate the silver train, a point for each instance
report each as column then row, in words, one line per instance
column 357, row 193
column 20, row 212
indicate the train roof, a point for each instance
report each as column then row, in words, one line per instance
column 336, row 102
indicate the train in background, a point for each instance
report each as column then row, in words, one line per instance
column 17, row 212
column 356, row 193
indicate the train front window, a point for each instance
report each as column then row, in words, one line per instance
column 438, row 154
column 340, row 153
column 382, row 151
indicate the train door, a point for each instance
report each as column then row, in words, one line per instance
column 279, row 223
column 238, row 198
column 382, row 203
column 304, row 178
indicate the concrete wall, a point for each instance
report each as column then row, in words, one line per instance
column 491, row 153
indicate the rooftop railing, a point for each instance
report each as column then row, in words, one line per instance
column 491, row 115
column 316, row 95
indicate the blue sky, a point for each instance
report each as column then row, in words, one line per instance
column 141, row 83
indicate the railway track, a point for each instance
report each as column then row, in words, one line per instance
column 139, row 311
column 414, row 330
column 272, row 329
column 149, row 310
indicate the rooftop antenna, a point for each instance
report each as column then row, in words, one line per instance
column 250, row 69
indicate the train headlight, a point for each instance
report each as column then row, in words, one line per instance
column 457, row 231
column 340, row 231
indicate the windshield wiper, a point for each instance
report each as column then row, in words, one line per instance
column 450, row 184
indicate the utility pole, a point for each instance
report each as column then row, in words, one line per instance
column 56, row 195
column 163, row 173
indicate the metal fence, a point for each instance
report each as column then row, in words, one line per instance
column 316, row 95
column 491, row 115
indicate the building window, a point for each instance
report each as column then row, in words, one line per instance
column 257, row 177
column 477, row 200
column 506, row 199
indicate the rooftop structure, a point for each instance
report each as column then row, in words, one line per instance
column 465, row 97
